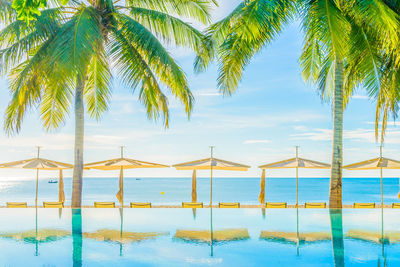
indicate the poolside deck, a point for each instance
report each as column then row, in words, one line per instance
column 242, row 206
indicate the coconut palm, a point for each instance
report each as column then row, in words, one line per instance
column 332, row 30
column 66, row 55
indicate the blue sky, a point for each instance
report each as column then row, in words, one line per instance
column 272, row 112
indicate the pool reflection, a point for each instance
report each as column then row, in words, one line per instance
column 223, row 237
column 77, row 241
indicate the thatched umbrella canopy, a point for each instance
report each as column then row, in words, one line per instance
column 291, row 163
column 41, row 164
column 122, row 163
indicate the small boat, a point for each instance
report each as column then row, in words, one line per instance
column 53, row 181
column 138, row 179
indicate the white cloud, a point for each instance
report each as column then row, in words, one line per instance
column 300, row 128
column 208, row 93
column 360, row 97
column 262, row 141
column 361, row 135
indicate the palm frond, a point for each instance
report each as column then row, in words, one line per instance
column 311, row 58
column 251, row 28
column 97, row 92
column 26, row 93
column 194, row 9
column 378, row 16
column 135, row 71
column 75, row 44
column 158, row 59
column 55, row 104
column 171, row 29
column 18, row 39
column 325, row 21
column 7, row 13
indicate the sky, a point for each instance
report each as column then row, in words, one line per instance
column 272, row 111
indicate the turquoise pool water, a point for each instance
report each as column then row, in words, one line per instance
column 243, row 237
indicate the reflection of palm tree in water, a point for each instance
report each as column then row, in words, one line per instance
column 337, row 236
column 77, row 237
column 382, row 240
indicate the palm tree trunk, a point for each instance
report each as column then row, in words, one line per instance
column 78, row 150
column 335, row 192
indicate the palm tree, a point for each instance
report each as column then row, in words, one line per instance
column 333, row 29
column 68, row 52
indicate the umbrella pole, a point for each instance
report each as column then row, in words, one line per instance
column 297, row 176
column 37, row 187
column 297, row 187
column 120, row 193
column 382, row 187
column 211, row 218
column 211, row 174
column 297, row 231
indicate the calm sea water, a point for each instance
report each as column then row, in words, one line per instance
column 176, row 190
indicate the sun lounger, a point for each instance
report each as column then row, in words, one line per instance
column 53, row 205
column 192, row 205
column 16, row 205
column 104, row 204
column 229, row 205
column 396, row 205
column 364, row 205
column 315, row 205
column 276, row 205
column 140, row 205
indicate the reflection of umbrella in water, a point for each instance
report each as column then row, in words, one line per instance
column 375, row 237
column 294, row 238
column 225, row 235
column 218, row 236
column 121, row 164
column 37, row 237
column 41, row 236
column 377, row 164
column 114, row 236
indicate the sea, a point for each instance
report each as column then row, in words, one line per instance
column 173, row 191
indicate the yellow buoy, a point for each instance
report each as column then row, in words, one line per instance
column 162, row 193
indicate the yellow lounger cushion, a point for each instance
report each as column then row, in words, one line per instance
column 104, row 204
column 364, row 205
column 396, row 205
column 229, row 205
column 276, row 205
column 192, row 204
column 315, row 205
column 140, row 205
column 16, row 205
column 53, row 205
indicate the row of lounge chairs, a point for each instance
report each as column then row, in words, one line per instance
column 277, row 205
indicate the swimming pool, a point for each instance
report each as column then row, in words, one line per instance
column 181, row 237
